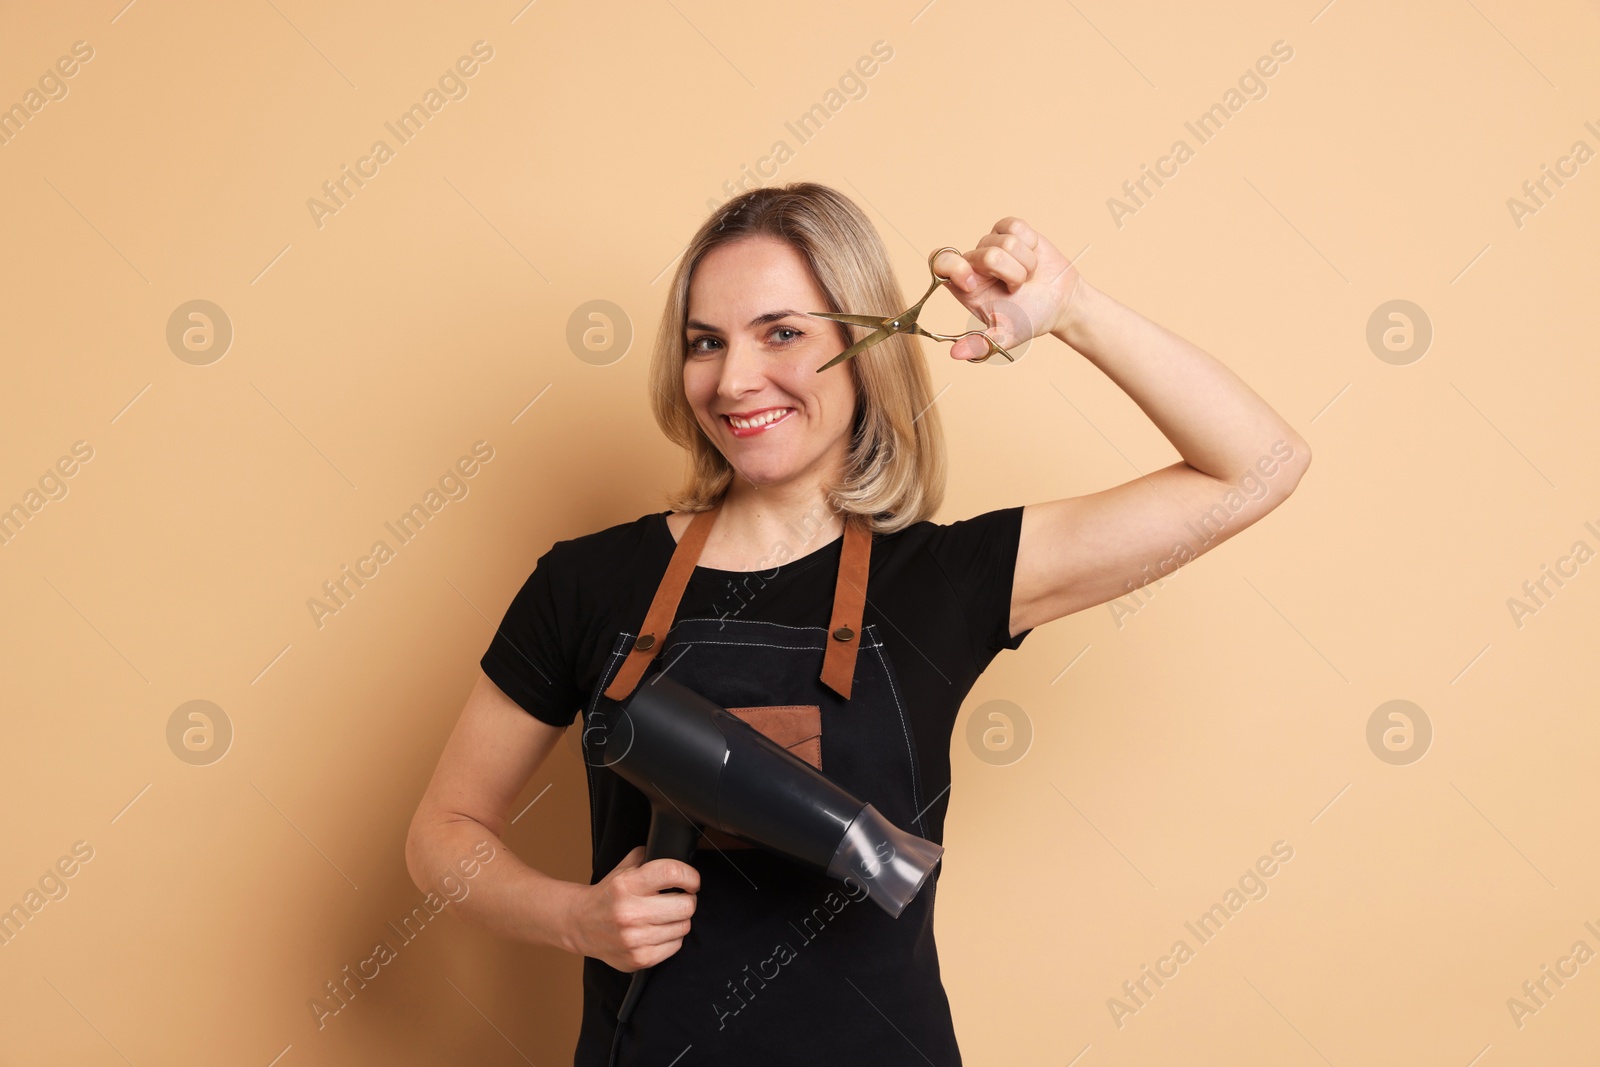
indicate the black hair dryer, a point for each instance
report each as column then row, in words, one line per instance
column 702, row 765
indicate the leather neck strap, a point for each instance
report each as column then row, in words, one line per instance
column 844, row 626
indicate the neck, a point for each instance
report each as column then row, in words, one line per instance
column 780, row 522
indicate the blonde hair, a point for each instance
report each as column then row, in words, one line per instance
column 894, row 473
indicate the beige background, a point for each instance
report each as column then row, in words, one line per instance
column 427, row 314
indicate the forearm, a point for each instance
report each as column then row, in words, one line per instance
column 1218, row 424
column 505, row 895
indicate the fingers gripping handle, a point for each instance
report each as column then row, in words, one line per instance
column 671, row 837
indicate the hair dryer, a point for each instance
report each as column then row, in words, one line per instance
column 701, row 765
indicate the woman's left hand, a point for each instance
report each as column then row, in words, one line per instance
column 1015, row 280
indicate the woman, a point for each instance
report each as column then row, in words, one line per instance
column 799, row 582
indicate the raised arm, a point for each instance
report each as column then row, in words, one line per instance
column 1240, row 458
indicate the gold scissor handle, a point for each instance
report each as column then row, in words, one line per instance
column 990, row 341
column 935, row 255
column 994, row 346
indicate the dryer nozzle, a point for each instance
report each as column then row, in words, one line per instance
column 891, row 863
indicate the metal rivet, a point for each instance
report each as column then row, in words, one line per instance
column 645, row 643
column 843, row 633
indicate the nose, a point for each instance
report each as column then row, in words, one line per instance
column 742, row 369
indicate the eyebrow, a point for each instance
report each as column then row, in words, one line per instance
column 759, row 320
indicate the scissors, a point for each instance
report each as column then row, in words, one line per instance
column 905, row 322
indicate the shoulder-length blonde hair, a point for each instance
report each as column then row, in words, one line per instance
column 895, row 471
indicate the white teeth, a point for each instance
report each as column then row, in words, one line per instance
column 759, row 420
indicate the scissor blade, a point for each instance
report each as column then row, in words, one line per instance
column 866, row 342
column 871, row 321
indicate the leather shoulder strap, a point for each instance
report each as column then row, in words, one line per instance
column 658, row 620
column 844, row 626
column 849, row 597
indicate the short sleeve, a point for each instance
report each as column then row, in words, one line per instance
column 979, row 558
column 530, row 656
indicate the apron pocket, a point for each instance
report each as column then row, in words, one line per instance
column 797, row 727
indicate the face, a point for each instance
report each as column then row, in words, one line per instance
column 753, row 352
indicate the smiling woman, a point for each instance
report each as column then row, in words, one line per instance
column 730, row 349
column 865, row 644
column 752, row 384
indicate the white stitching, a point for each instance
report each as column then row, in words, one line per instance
column 588, row 768
column 916, row 800
column 756, row 644
column 750, row 622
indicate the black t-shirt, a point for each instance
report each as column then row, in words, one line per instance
column 938, row 597
column 940, row 594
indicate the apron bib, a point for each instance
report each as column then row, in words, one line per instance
column 781, row 965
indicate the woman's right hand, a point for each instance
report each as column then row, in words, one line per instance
column 625, row 920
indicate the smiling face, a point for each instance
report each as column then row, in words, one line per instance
column 753, row 353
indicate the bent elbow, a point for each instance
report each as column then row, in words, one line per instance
column 415, row 847
column 1302, row 463
column 1291, row 467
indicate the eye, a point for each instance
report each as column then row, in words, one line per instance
column 694, row 347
